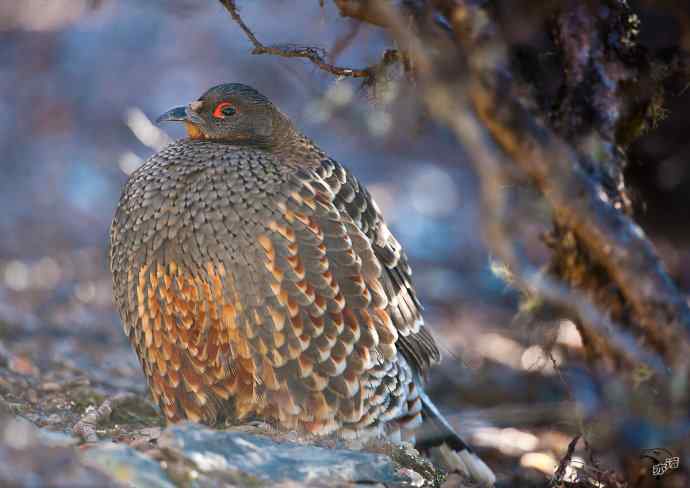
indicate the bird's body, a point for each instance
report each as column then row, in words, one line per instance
column 256, row 279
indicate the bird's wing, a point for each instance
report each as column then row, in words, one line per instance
column 404, row 309
column 328, row 303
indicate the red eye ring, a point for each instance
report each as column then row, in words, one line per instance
column 224, row 109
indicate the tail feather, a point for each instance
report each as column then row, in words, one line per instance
column 455, row 451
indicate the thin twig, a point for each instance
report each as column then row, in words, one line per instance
column 565, row 461
column 312, row 54
column 344, row 41
column 578, row 414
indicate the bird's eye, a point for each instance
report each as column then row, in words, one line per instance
column 224, row 109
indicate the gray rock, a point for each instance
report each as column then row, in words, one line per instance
column 195, row 456
column 127, row 466
column 56, row 439
column 26, row 460
column 270, row 461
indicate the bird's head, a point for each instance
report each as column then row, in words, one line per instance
column 232, row 113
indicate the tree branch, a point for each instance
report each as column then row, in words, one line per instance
column 312, row 54
column 611, row 237
column 451, row 110
column 616, row 242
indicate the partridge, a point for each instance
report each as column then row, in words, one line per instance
column 256, row 279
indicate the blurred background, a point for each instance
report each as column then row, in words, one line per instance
column 80, row 83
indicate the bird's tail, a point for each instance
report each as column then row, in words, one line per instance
column 454, row 450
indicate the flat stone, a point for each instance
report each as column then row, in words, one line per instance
column 273, row 461
column 127, row 466
column 56, row 439
column 28, row 460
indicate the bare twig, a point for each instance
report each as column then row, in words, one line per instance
column 343, row 42
column 312, row 54
column 578, row 414
column 565, row 461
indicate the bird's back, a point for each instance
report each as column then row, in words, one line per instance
column 251, row 286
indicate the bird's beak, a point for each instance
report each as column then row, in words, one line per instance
column 189, row 115
column 177, row 114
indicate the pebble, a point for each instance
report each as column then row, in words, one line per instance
column 416, row 479
column 50, row 386
column 53, row 419
column 23, row 365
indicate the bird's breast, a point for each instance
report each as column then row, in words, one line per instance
column 204, row 198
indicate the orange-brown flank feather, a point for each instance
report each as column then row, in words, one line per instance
column 187, row 327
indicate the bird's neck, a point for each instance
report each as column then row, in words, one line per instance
column 291, row 146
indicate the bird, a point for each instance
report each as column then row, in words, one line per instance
column 256, row 279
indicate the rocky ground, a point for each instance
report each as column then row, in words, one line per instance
column 65, row 428
column 74, row 412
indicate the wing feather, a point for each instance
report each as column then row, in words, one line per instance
column 405, row 310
